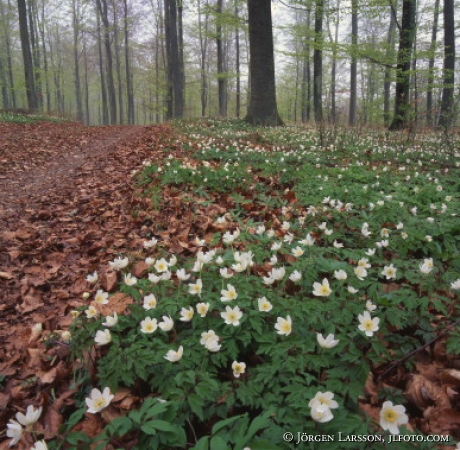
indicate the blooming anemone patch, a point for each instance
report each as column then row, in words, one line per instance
column 277, row 270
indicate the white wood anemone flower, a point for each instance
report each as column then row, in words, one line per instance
column 97, row 400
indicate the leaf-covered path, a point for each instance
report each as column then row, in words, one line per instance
column 65, row 210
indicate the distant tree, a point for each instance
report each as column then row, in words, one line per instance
column 429, row 91
column 31, row 92
column 388, row 69
column 262, row 109
column 318, row 62
column 447, row 101
column 221, row 69
column 406, row 41
column 354, row 64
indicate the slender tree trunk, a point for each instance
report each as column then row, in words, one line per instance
column 27, row 57
column 431, row 70
column 112, row 97
column 85, row 59
column 203, row 35
column 4, row 85
column 105, row 107
column 406, row 40
column 318, row 63
column 354, row 65
column 262, row 109
column 35, row 47
column 76, row 32
column 237, row 65
column 306, row 73
column 45, row 59
column 221, row 75
column 334, row 65
column 447, row 102
column 116, row 37
column 129, row 76
column 388, row 70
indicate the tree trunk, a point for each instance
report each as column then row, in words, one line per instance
column 429, row 91
column 27, row 57
column 175, row 79
column 262, row 109
column 447, row 101
column 112, row 97
column 237, row 65
column 354, row 65
column 129, row 76
column 76, row 32
column 406, row 40
column 105, row 107
column 116, row 38
column 221, row 75
column 388, row 70
column 203, row 35
column 306, row 73
column 318, row 63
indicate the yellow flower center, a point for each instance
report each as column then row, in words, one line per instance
column 369, row 325
column 100, row 403
column 238, row 368
column 150, row 327
column 231, row 294
column 286, row 327
column 325, row 290
column 390, row 415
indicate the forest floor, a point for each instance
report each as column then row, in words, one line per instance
column 65, row 209
column 67, row 197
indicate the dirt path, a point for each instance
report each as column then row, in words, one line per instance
column 66, row 197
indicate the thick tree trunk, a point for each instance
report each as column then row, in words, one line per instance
column 447, row 102
column 262, row 108
column 318, row 63
column 175, row 80
column 406, row 40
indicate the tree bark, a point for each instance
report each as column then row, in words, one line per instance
column 429, row 91
column 447, row 101
column 354, row 65
column 407, row 33
column 318, row 63
column 388, row 70
column 306, row 73
column 27, row 57
column 262, row 109
column 112, row 97
column 129, row 76
column 175, row 80
column 76, row 32
column 221, row 75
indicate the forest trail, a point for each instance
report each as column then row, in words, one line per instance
column 65, row 210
